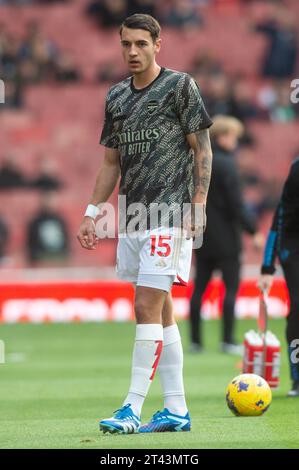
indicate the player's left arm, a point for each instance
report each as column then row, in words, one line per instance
column 200, row 143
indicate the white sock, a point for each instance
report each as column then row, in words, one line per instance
column 146, row 355
column 171, row 371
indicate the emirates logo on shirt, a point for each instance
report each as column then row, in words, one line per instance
column 152, row 106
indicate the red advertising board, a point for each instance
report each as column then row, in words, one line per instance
column 64, row 301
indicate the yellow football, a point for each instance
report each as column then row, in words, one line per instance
column 248, row 395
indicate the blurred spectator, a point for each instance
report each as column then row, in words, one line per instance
column 66, row 70
column 224, row 96
column 142, row 6
column 29, row 61
column 282, row 109
column 108, row 13
column 242, row 103
column 183, row 14
column 47, row 236
column 205, row 66
column 275, row 104
column 218, row 95
column 40, row 50
column 4, row 237
column 205, row 62
column 11, row 176
column 9, row 70
column 47, row 178
column 281, row 55
column 109, row 73
column 9, row 50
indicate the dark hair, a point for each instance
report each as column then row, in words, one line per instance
column 142, row 21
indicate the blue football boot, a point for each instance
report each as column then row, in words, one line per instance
column 164, row 421
column 124, row 421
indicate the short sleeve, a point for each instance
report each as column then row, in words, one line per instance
column 190, row 106
column 108, row 136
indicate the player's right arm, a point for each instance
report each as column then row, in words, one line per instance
column 106, row 181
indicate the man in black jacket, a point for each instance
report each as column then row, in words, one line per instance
column 283, row 241
column 47, row 234
column 227, row 216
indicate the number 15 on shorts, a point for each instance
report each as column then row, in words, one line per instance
column 160, row 245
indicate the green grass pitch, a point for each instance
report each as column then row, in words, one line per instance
column 60, row 379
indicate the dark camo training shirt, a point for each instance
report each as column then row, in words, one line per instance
column 149, row 128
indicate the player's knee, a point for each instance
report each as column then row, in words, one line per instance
column 144, row 311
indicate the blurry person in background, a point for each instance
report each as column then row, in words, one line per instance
column 108, row 13
column 206, row 62
column 110, row 72
column 40, row 50
column 9, row 50
column 32, row 60
column 66, row 69
column 11, row 175
column 283, row 241
column 10, row 70
column 229, row 97
column 227, row 217
column 282, row 109
column 242, row 105
column 218, row 94
column 147, row 7
column 274, row 102
column 47, row 234
column 281, row 55
column 183, row 14
column 47, row 175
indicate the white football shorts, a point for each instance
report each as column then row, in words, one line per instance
column 160, row 252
